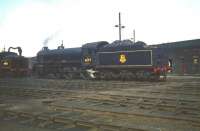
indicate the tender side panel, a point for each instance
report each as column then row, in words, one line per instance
column 125, row 58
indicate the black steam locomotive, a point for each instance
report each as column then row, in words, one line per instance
column 13, row 65
column 122, row 60
column 61, row 63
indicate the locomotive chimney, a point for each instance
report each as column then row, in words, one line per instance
column 61, row 46
column 45, row 48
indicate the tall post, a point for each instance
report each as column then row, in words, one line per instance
column 4, row 48
column 134, row 36
column 120, row 27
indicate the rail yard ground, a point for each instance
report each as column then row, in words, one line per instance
column 30, row 104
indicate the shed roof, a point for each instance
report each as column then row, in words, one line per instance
column 181, row 44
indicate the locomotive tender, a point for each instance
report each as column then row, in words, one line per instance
column 125, row 60
column 122, row 60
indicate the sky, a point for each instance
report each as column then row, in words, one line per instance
column 31, row 23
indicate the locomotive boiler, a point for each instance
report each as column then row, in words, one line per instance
column 60, row 63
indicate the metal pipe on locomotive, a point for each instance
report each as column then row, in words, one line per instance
column 123, row 60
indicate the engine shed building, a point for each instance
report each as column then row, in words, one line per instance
column 184, row 56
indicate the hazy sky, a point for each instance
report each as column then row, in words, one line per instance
column 28, row 23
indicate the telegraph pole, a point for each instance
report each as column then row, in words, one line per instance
column 134, row 36
column 120, row 27
column 4, row 48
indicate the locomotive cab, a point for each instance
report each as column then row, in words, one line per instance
column 89, row 56
column 89, row 52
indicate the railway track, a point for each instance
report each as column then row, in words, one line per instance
column 99, row 105
column 187, row 110
column 69, row 119
column 98, row 119
column 71, row 84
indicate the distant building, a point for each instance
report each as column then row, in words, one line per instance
column 184, row 56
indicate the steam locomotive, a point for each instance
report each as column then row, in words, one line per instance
column 122, row 60
column 12, row 64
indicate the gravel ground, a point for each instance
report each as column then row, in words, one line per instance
column 29, row 104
